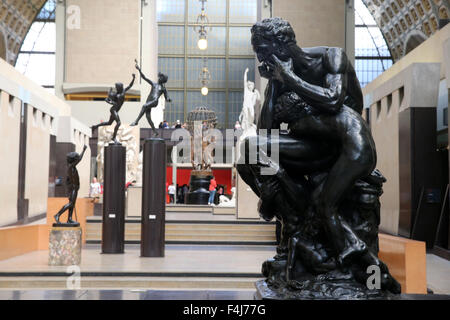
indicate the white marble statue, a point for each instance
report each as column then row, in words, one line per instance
column 225, row 202
column 139, row 169
column 128, row 137
column 247, row 116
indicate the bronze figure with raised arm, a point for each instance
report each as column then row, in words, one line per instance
column 73, row 185
column 158, row 89
column 116, row 99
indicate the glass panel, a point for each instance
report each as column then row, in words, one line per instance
column 240, row 41
column 371, row 51
column 216, row 10
column 216, row 69
column 40, row 37
column 171, row 39
column 215, row 100
column 170, row 10
column 48, row 11
column 369, row 69
column 442, row 106
column 236, row 72
column 236, row 99
column 243, row 11
column 362, row 14
column 174, row 110
column 370, row 42
column 38, row 67
column 174, row 69
column 216, row 41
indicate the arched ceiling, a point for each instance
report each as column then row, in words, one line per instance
column 407, row 23
column 404, row 23
column 16, row 17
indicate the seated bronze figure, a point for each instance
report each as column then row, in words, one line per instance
column 325, row 190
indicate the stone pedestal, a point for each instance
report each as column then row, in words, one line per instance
column 320, row 289
column 199, row 187
column 64, row 246
column 247, row 201
column 153, row 198
column 113, row 232
column 134, row 201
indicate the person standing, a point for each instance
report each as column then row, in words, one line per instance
column 95, row 190
column 212, row 191
column 185, row 192
column 171, row 190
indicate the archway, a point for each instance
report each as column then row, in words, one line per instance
column 2, row 46
column 414, row 39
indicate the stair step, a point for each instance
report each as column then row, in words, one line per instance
column 126, row 282
column 194, row 231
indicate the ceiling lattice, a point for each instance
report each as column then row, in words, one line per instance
column 16, row 17
column 407, row 23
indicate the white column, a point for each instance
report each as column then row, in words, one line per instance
column 60, row 50
column 149, row 58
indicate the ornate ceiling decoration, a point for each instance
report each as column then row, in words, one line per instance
column 407, row 23
column 16, row 17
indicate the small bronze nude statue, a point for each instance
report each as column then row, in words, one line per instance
column 73, row 185
column 116, row 99
column 158, row 89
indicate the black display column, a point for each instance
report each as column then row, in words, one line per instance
column 153, row 198
column 113, row 232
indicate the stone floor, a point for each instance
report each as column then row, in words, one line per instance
column 178, row 258
column 438, row 274
column 126, row 295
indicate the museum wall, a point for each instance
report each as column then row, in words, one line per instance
column 9, row 156
column 37, row 160
column 28, row 160
column 403, row 123
column 403, row 103
column 384, row 125
column 93, row 112
column 315, row 22
column 100, row 51
column 102, row 48
column 429, row 51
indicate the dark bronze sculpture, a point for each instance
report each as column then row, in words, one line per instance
column 116, row 99
column 325, row 190
column 73, row 184
column 158, row 89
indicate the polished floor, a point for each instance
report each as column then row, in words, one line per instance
column 438, row 274
column 201, row 259
column 194, row 262
column 126, row 295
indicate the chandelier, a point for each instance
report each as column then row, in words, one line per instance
column 204, row 77
column 201, row 27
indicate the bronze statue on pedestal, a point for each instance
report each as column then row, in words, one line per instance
column 73, row 185
column 158, row 89
column 325, row 189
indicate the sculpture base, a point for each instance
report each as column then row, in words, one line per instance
column 319, row 290
column 199, row 187
column 66, row 225
column 64, row 248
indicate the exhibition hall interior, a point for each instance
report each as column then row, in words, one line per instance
column 224, row 149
